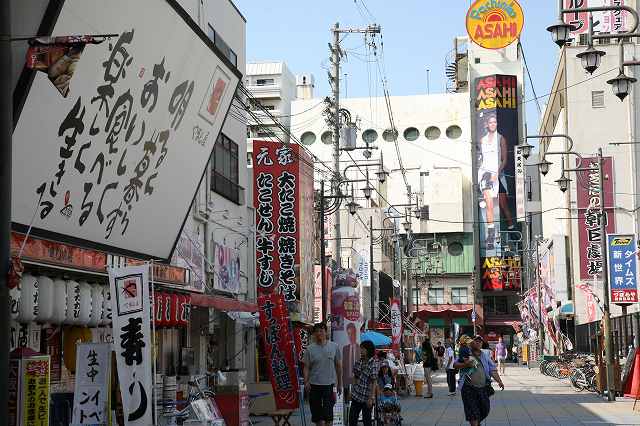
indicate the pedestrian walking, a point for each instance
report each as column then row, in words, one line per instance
column 365, row 375
column 448, row 361
column 430, row 364
column 440, row 354
column 501, row 355
column 477, row 369
column 322, row 371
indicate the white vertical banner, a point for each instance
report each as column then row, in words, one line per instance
column 396, row 325
column 91, row 396
column 520, row 187
column 131, row 316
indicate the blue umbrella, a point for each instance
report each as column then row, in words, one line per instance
column 378, row 339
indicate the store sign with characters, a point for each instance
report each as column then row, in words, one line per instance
column 494, row 24
column 112, row 142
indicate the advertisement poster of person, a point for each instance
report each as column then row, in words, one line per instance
column 346, row 321
column 496, row 137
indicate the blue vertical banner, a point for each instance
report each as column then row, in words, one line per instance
column 623, row 268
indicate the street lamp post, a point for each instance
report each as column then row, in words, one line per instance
column 563, row 183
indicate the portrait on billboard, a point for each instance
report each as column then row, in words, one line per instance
column 496, row 139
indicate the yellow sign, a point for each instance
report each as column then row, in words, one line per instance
column 35, row 391
column 494, row 24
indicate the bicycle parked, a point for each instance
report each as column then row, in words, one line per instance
column 579, row 369
column 200, row 406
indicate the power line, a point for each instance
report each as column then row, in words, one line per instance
column 533, row 89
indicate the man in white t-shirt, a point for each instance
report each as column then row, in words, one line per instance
column 447, row 361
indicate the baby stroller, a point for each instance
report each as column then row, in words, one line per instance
column 388, row 407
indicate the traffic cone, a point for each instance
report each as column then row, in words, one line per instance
column 632, row 387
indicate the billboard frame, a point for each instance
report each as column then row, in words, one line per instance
column 23, row 88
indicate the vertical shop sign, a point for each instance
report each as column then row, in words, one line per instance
column 34, row 381
column 301, row 337
column 495, row 138
column 91, row 395
column 281, row 176
column 131, row 316
column 589, row 218
column 623, row 268
column 520, row 187
column 279, row 348
column 396, row 325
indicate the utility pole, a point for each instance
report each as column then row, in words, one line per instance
column 323, row 257
column 606, row 316
column 6, row 130
column 371, row 280
column 334, row 81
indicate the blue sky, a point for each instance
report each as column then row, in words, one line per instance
column 417, row 36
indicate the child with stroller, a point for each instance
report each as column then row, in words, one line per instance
column 389, row 407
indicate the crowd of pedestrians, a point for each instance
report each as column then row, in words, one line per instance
column 468, row 365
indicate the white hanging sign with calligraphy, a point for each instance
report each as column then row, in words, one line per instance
column 99, row 164
column 131, row 316
column 91, row 395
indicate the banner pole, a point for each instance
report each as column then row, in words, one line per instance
column 153, row 351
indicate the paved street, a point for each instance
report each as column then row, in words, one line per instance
column 528, row 399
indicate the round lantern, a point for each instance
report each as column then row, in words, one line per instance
column 28, row 306
column 184, row 310
column 46, row 299
column 85, row 303
column 59, row 301
column 97, row 301
column 106, row 306
column 157, row 309
column 73, row 302
column 173, row 317
column 167, row 310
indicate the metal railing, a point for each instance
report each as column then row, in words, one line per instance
column 623, row 328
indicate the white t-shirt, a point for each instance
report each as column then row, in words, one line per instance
column 449, row 358
column 490, row 149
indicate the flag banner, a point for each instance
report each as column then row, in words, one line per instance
column 131, row 316
column 279, row 349
column 396, row 325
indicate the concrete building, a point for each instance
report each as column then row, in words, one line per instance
column 273, row 85
column 434, row 144
column 583, row 107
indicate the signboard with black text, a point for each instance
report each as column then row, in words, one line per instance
column 116, row 163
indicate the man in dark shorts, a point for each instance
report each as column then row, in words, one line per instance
column 322, row 371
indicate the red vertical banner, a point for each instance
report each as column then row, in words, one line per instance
column 396, row 325
column 281, row 176
column 277, row 338
column 591, row 251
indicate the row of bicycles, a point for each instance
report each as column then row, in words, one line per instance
column 581, row 370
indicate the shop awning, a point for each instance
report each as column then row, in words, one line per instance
column 222, row 303
column 445, row 307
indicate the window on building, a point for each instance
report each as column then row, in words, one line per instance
column 416, row 296
column 496, row 305
column 265, row 82
column 222, row 45
column 597, row 98
column 435, row 296
column 224, row 173
column 459, row 295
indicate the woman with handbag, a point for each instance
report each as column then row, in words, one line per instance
column 430, row 364
column 475, row 383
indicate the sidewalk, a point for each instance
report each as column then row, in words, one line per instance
column 529, row 398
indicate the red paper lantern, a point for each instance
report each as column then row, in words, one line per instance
column 173, row 314
column 184, row 310
column 158, row 305
column 166, row 310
